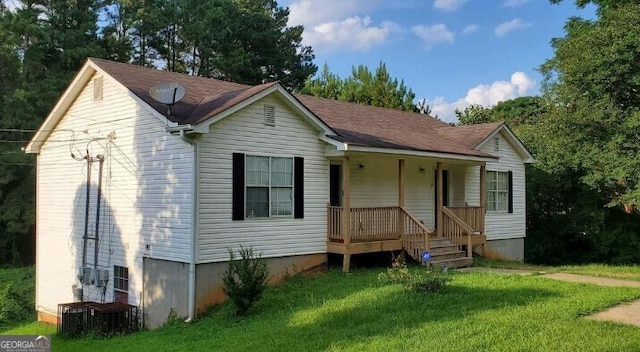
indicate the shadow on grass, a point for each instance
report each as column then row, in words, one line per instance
column 354, row 313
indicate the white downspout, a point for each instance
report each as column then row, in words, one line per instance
column 194, row 229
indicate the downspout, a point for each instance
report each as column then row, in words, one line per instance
column 194, row 229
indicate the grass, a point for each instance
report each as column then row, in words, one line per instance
column 336, row 312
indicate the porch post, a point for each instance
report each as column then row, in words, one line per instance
column 401, row 182
column 346, row 212
column 483, row 193
column 400, row 214
column 440, row 201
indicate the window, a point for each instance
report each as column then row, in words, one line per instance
column 262, row 186
column 269, row 186
column 498, row 191
column 121, row 284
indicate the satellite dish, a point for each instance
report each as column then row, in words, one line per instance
column 167, row 93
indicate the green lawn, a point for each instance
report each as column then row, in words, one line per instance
column 336, row 312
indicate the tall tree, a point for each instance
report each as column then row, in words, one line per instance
column 364, row 87
column 593, row 80
column 44, row 43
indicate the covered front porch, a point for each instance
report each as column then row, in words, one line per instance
column 387, row 202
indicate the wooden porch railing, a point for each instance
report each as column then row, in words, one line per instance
column 454, row 228
column 334, row 224
column 415, row 237
column 379, row 224
column 472, row 216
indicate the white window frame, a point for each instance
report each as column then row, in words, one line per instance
column 270, row 187
column 496, row 206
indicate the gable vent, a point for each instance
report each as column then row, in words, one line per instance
column 97, row 89
column 269, row 116
column 496, row 144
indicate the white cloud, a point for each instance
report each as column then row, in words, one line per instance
column 313, row 12
column 472, row 28
column 514, row 3
column 448, row 5
column 354, row 33
column 503, row 28
column 432, row 35
column 485, row 95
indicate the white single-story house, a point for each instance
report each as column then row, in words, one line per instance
column 138, row 206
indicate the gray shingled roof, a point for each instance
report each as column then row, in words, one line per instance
column 355, row 124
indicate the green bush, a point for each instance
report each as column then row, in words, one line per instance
column 245, row 279
column 13, row 307
column 424, row 280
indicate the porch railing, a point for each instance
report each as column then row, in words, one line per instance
column 454, row 228
column 472, row 216
column 416, row 236
column 378, row 224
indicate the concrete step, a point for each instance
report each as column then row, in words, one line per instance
column 453, row 263
column 448, row 255
column 442, row 248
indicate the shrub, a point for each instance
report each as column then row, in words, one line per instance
column 245, row 279
column 425, row 280
column 13, row 307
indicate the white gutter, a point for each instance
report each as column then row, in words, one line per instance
column 194, row 220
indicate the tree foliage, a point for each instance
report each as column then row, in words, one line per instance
column 43, row 43
column 363, row 86
column 593, row 81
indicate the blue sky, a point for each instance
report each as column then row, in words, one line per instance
column 451, row 52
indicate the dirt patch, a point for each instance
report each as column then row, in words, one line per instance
column 628, row 313
column 602, row 281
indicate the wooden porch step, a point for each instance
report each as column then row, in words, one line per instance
column 453, row 263
column 455, row 254
column 443, row 248
column 439, row 241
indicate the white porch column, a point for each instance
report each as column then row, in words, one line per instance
column 440, row 201
column 346, row 212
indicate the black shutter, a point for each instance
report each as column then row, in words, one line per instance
column 510, row 192
column 298, row 188
column 238, row 186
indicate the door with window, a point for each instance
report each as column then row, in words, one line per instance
column 445, row 192
column 335, row 185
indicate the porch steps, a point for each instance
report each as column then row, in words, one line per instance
column 461, row 262
column 444, row 252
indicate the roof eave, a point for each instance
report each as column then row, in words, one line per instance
column 421, row 153
column 64, row 102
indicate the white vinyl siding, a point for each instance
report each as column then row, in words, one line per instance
column 244, row 132
column 146, row 194
column 376, row 184
column 504, row 225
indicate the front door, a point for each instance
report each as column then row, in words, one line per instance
column 335, row 185
column 445, row 192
